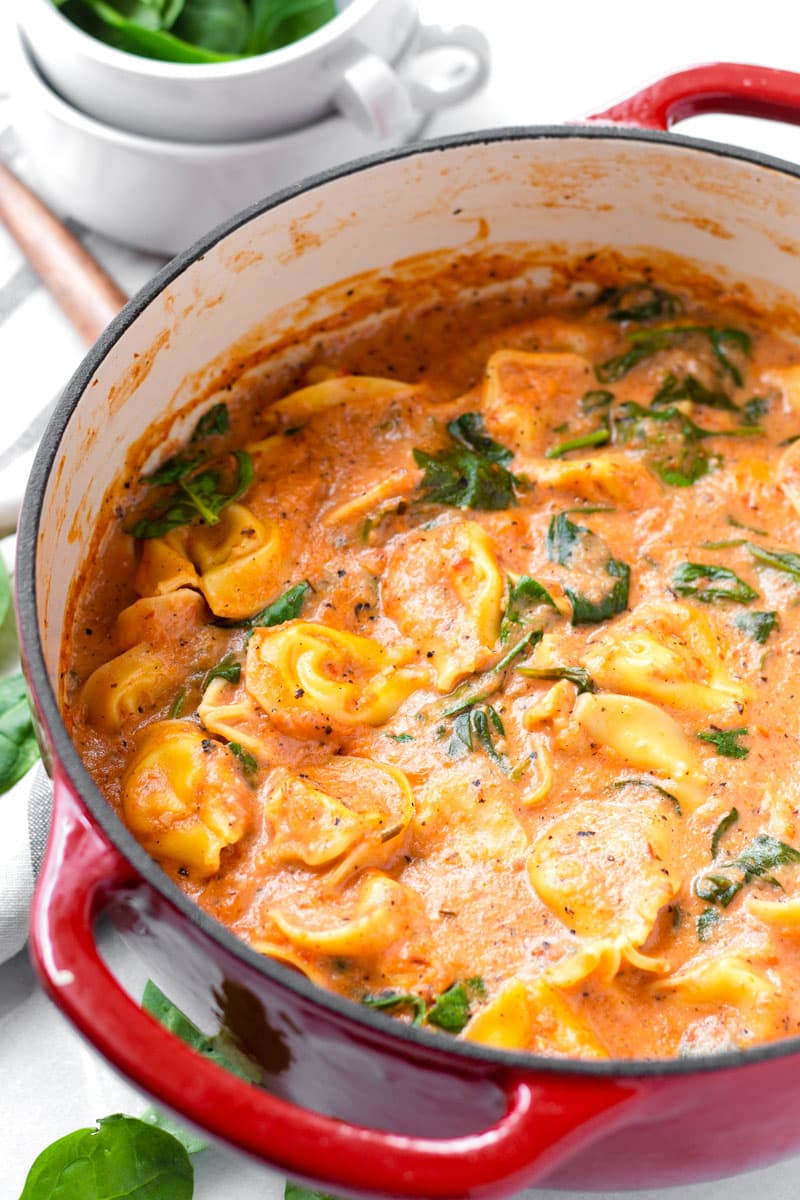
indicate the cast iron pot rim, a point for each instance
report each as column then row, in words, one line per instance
column 66, row 755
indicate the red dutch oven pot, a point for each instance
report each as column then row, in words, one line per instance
column 355, row 1102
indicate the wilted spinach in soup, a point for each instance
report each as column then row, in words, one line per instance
column 464, row 683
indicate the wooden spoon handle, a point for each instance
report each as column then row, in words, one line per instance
column 84, row 292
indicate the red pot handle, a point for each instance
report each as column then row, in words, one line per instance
column 736, row 88
column 547, row 1116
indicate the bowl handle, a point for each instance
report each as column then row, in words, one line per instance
column 735, row 88
column 547, row 1116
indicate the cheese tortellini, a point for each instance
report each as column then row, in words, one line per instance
column 648, row 739
column 382, row 912
column 526, row 394
column 138, row 679
column 307, row 677
column 443, row 587
column 237, row 564
column 669, row 653
column 606, row 869
column 184, row 797
column 343, row 815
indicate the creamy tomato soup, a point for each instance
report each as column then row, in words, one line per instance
column 461, row 677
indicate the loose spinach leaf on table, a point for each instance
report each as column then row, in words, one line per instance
column 294, row 1191
column 19, row 749
column 218, row 1047
column 132, row 1158
column 123, row 1158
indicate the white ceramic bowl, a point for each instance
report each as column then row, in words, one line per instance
column 348, row 64
column 160, row 195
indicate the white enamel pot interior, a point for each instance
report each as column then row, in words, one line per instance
column 245, row 285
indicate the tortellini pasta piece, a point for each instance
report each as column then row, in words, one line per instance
column 670, row 653
column 306, row 677
column 782, row 915
column 377, row 498
column 139, row 678
column 526, row 394
column 535, row 1017
column 340, row 389
column 344, row 814
column 465, row 824
column 789, row 471
column 443, row 588
column 603, row 478
column 235, row 719
column 728, row 980
column 647, row 738
column 184, row 797
column 384, row 912
column 131, row 683
column 237, row 563
column 605, row 869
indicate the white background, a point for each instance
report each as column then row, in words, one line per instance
column 552, row 62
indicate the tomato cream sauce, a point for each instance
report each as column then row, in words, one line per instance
column 462, row 677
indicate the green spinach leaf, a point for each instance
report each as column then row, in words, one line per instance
column 764, row 854
column 596, row 437
column 228, row 668
column 644, row 343
column 639, row 302
column 564, row 539
column 726, row 742
column 248, row 763
column 19, row 749
column 727, row 822
column 287, row 607
column 200, row 498
column 218, row 1047
column 212, row 423
column 577, row 675
column 786, row 561
column 757, row 625
column 706, row 922
column 121, row 1159
column 524, row 597
column 475, row 728
column 469, row 474
column 710, row 584
column 389, row 1000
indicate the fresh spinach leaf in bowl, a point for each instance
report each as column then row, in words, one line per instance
column 198, row 31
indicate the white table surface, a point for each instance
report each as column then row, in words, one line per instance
column 552, row 62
